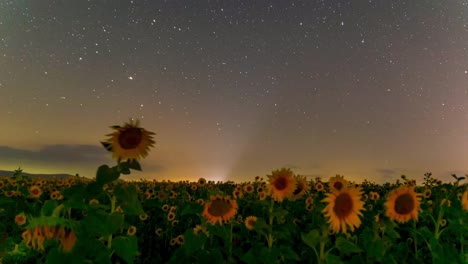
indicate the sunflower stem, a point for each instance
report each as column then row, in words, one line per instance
column 415, row 241
column 439, row 220
column 270, row 222
column 113, row 201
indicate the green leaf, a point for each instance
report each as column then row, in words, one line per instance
column 193, row 242
column 100, row 223
column 105, row 174
column 312, row 238
column 288, row 253
column 193, row 208
column 56, row 256
column 126, row 247
column 127, row 198
column 134, row 165
column 346, row 247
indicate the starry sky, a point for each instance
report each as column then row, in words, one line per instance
column 235, row 89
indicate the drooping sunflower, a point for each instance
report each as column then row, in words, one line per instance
column 464, row 200
column 403, row 204
column 281, row 184
column 343, row 209
column 220, row 209
column 337, row 182
column 129, row 142
column 302, row 187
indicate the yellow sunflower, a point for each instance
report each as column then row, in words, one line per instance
column 343, row 209
column 464, row 200
column 35, row 191
column 198, row 229
column 129, row 142
column 302, row 187
column 220, row 209
column 337, row 182
column 131, row 231
column 403, row 204
column 281, row 184
column 20, row 219
column 250, row 222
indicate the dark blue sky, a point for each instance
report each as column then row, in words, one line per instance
column 236, row 89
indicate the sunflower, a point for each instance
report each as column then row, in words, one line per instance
column 180, row 240
column 20, row 219
column 282, row 184
column 250, row 222
column 201, row 182
column 374, row 196
column 165, row 208
column 319, row 187
column 129, row 142
column 302, row 187
column 403, row 204
column 170, row 216
column 248, row 188
column 343, row 209
column 158, row 232
column 143, row 217
column 35, row 191
column 337, row 182
column 220, row 209
column 464, row 200
column 131, row 231
column 198, row 229
column 427, row 193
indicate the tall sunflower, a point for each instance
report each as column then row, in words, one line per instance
column 282, row 184
column 403, row 204
column 220, row 209
column 343, row 209
column 129, row 142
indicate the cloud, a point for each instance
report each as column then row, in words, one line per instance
column 57, row 153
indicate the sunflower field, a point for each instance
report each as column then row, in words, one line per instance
column 280, row 218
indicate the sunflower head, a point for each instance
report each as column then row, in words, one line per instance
column 220, row 209
column 403, row 204
column 343, row 209
column 337, row 182
column 302, row 187
column 129, row 142
column 281, row 184
column 250, row 222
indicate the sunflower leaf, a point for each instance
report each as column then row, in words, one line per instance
column 105, row 174
column 134, row 165
column 312, row 238
column 347, row 247
column 125, row 247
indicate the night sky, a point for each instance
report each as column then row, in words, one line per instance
column 236, row 89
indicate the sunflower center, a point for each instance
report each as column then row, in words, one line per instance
column 404, row 204
column 219, row 207
column 130, row 138
column 281, row 183
column 343, row 205
column 338, row 185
